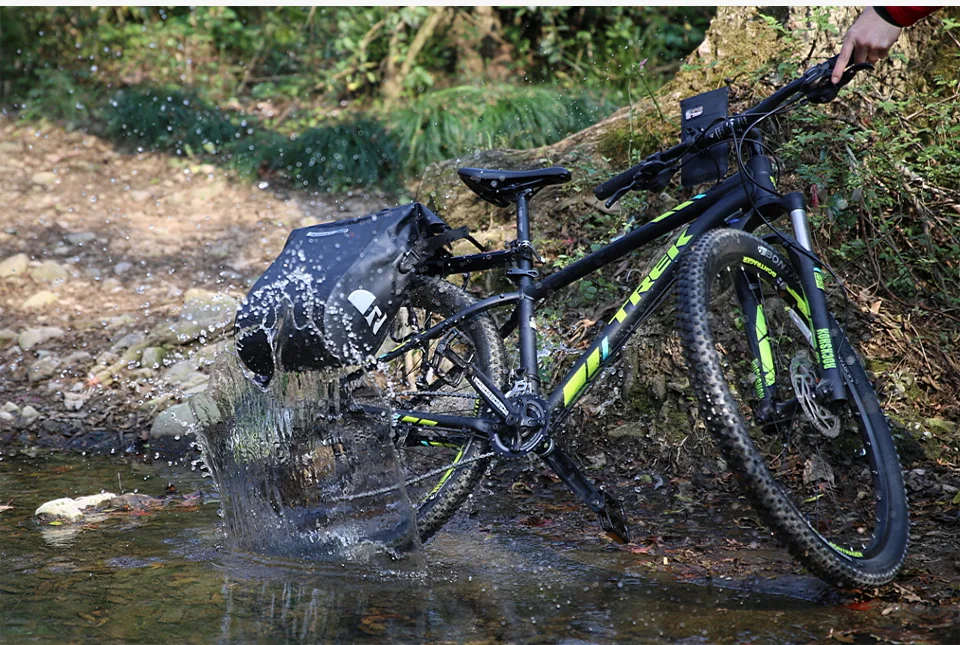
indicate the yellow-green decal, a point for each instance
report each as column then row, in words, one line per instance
column 654, row 275
column 676, row 209
column 852, row 554
column 766, row 354
column 586, row 371
column 801, row 302
column 760, row 265
column 418, row 421
column 818, row 277
column 825, row 346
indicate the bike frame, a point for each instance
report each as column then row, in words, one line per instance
column 733, row 202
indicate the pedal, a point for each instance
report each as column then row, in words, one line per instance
column 613, row 521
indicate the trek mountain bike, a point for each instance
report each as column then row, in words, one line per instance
column 778, row 384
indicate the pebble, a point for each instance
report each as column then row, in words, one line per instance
column 8, row 335
column 43, row 369
column 140, row 195
column 45, row 178
column 175, row 421
column 74, row 400
column 153, row 357
column 49, row 271
column 14, row 265
column 6, row 417
column 40, row 300
column 11, row 407
column 28, row 414
column 34, row 336
column 80, row 238
column 122, row 267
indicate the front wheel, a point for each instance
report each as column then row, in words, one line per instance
column 826, row 481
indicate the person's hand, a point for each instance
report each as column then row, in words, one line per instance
column 867, row 41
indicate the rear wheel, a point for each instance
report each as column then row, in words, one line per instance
column 440, row 467
column 827, row 481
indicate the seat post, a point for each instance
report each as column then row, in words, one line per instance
column 525, row 276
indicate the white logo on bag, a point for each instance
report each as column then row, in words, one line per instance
column 365, row 302
column 326, row 233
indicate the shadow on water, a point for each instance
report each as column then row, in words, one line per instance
column 301, row 477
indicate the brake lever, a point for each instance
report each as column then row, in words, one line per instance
column 823, row 89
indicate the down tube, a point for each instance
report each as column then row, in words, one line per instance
column 635, row 310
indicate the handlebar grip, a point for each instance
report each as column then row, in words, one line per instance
column 611, row 186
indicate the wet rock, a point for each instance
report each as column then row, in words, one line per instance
column 7, row 336
column 122, row 267
column 11, row 407
column 81, row 238
column 43, row 368
column 107, row 358
column 71, row 510
column 49, row 271
column 208, row 308
column 28, row 415
column 7, row 418
column 128, row 341
column 43, row 178
column 207, row 355
column 175, row 421
column 74, row 400
column 78, row 358
column 184, row 376
column 140, row 196
column 14, row 265
column 153, row 357
column 39, row 300
column 36, row 335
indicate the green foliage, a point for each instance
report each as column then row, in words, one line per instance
column 885, row 184
column 329, row 157
column 449, row 123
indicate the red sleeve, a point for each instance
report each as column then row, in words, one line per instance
column 906, row 16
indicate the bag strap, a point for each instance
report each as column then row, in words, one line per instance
column 431, row 245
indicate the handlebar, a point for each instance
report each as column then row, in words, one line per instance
column 654, row 172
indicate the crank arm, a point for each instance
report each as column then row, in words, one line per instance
column 487, row 389
column 609, row 510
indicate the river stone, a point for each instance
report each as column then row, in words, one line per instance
column 208, row 308
column 184, row 376
column 36, row 335
column 122, row 267
column 128, row 341
column 11, row 407
column 49, row 271
column 45, row 178
column 28, row 414
column 80, row 238
column 175, row 421
column 74, row 400
column 6, row 417
column 14, row 265
column 8, row 335
column 69, row 509
column 39, row 300
column 43, row 368
column 153, row 357
column 140, row 195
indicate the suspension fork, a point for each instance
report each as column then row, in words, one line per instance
column 831, row 388
column 747, row 288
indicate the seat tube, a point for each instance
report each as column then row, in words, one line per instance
column 831, row 386
column 526, row 277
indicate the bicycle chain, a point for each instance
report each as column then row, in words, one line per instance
column 427, row 475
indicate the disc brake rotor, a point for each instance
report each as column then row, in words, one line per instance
column 803, row 378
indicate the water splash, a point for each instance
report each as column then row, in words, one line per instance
column 295, row 470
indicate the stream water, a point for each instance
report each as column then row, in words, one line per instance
column 164, row 575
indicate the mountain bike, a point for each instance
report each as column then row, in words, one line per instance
column 778, row 384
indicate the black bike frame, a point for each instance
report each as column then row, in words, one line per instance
column 726, row 204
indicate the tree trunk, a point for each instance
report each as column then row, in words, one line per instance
column 649, row 392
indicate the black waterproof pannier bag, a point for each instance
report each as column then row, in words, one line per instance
column 329, row 298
